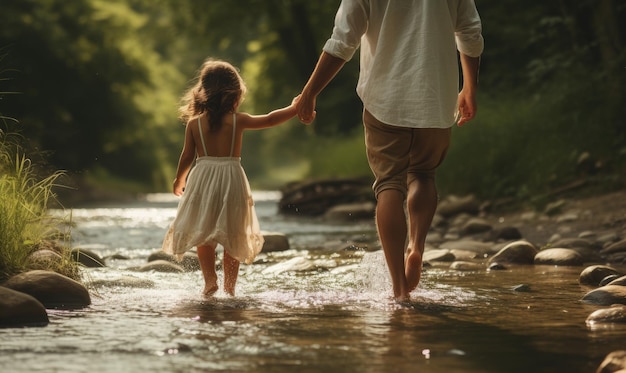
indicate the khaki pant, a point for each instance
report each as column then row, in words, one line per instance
column 399, row 155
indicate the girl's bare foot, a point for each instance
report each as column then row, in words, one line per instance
column 413, row 269
column 209, row 290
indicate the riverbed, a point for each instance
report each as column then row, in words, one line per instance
column 324, row 305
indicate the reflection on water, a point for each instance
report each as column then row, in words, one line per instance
column 321, row 306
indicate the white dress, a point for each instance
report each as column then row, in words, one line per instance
column 216, row 207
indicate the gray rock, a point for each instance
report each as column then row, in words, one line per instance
column 161, row 266
column 574, row 243
column 496, row 267
column 440, row 255
column 613, row 363
column 53, row 290
column 189, row 261
column 275, row 241
column 460, row 265
column 506, row 233
column 476, row 225
column 615, row 314
column 454, row 205
column 87, row 258
column 351, row 211
column 478, row 247
column 607, row 280
column 554, row 207
column 521, row 288
column 44, row 260
column 559, row 257
column 18, row 309
column 606, row 295
column 593, row 275
column 613, row 248
column 517, row 252
column 618, row 281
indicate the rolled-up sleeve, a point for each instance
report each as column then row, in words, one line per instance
column 350, row 24
column 468, row 32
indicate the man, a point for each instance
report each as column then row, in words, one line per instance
column 408, row 83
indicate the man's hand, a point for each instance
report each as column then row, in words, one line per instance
column 466, row 106
column 306, row 108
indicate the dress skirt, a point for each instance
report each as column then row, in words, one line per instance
column 216, row 207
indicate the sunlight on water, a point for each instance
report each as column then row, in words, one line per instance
column 324, row 305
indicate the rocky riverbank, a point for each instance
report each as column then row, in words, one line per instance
column 467, row 235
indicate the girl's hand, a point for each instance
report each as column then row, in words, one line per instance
column 179, row 187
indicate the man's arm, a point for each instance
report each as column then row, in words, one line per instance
column 327, row 67
column 467, row 97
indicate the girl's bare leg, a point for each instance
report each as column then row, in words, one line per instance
column 231, row 271
column 206, row 256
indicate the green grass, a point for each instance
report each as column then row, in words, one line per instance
column 25, row 224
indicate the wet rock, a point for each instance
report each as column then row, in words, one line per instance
column 618, row 258
column 496, row 267
column 619, row 246
column 275, row 241
column 440, row 255
column 18, row 309
column 505, row 233
column 618, row 281
column 606, row 295
column 465, row 255
column 607, row 280
column 53, row 290
column 87, row 258
column 613, row 363
column 554, row 207
column 559, row 257
column 317, row 196
column 44, row 260
column 476, row 225
column 351, row 211
column 517, row 252
column 189, row 261
column 460, row 265
column 522, row 288
column 594, row 274
column 478, row 247
column 615, row 314
column 161, row 266
column 574, row 243
column 454, row 205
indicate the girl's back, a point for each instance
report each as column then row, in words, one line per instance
column 220, row 143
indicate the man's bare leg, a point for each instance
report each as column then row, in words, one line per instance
column 392, row 231
column 206, row 257
column 231, row 271
column 421, row 204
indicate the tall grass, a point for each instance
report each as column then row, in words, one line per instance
column 25, row 223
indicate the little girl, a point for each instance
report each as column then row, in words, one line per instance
column 216, row 206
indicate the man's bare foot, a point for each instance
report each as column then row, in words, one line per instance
column 209, row 290
column 413, row 269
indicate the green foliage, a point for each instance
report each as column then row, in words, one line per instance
column 100, row 81
column 25, row 223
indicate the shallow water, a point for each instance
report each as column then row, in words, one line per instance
column 324, row 305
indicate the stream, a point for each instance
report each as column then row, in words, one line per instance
column 324, row 305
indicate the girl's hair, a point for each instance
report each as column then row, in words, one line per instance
column 219, row 90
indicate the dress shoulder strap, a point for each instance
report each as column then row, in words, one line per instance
column 232, row 141
column 202, row 137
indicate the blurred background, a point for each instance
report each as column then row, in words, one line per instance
column 93, row 87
